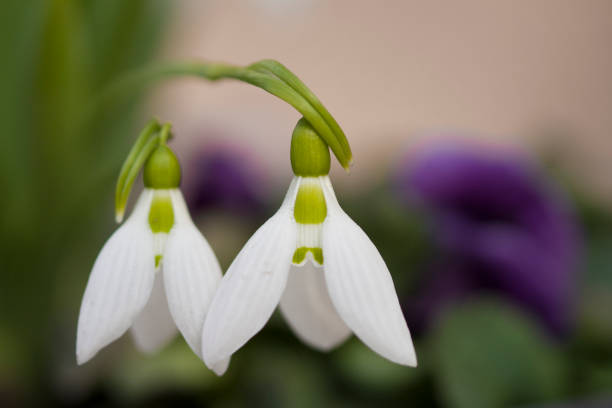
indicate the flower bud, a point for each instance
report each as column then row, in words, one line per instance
column 162, row 169
column 309, row 153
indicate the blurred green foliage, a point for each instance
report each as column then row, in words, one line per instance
column 489, row 355
column 58, row 161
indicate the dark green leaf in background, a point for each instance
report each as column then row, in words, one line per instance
column 57, row 173
column 487, row 354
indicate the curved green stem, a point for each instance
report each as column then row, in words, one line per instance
column 268, row 75
column 285, row 75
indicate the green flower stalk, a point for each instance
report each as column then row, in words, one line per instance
column 269, row 75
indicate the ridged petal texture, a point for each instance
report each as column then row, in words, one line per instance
column 154, row 327
column 361, row 288
column 119, row 284
column 191, row 276
column 252, row 287
column 306, row 306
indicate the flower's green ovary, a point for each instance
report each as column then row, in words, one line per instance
column 310, row 207
column 284, row 74
column 309, row 153
column 300, row 254
column 161, row 215
column 158, row 259
column 144, row 136
column 162, row 169
column 143, row 155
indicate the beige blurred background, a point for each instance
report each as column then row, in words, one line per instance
column 529, row 73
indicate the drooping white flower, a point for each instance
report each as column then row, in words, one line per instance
column 314, row 261
column 155, row 274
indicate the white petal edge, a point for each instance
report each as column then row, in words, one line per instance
column 306, row 306
column 154, row 327
column 221, row 367
column 191, row 275
column 361, row 287
column 251, row 289
column 119, row 284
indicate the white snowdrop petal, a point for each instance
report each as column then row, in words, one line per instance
column 221, row 367
column 251, row 288
column 306, row 306
column 154, row 328
column 191, row 275
column 179, row 207
column 119, row 284
column 361, row 288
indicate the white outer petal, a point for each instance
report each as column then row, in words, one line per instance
column 119, row 284
column 221, row 367
column 253, row 285
column 309, row 311
column 154, row 328
column 361, row 287
column 191, row 275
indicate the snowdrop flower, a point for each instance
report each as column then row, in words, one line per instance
column 318, row 264
column 154, row 274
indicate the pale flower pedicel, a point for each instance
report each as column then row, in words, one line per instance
column 310, row 257
column 154, row 274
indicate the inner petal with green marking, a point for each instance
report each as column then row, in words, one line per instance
column 302, row 254
column 161, row 221
column 310, row 211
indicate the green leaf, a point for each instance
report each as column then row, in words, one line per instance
column 124, row 33
column 487, row 354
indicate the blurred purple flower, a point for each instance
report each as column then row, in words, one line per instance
column 498, row 226
column 223, row 177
